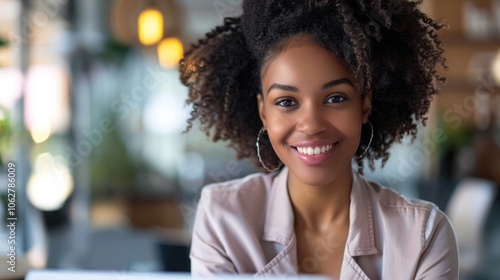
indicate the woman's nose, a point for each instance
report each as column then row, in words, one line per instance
column 312, row 120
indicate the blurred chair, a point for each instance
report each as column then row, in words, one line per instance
column 468, row 209
column 173, row 247
column 174, row 257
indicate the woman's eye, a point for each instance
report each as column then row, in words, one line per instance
column 336, row 99
column 286, row 103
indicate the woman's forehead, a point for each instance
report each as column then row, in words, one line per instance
column 303, row 60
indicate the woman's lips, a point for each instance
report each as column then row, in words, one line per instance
column 310, row 154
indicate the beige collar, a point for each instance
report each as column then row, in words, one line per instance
column 279, row 224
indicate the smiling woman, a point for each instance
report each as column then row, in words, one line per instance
column 310, row 103
column 304, row 88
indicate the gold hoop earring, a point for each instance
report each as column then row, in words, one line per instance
column 369, row 143
column 257, row 144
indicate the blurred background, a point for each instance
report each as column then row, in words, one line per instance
column 91, row 115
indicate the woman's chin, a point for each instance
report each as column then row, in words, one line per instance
column 317, row 178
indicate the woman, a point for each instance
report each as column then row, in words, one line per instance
column 304, row 87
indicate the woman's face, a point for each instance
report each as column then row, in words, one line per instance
column 312, row 112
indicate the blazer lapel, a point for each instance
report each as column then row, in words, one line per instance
column 351, row 270
column 285, row 263
column 279, row 229
column 279, row 221
column 361, row 239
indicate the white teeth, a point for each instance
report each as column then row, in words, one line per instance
column 314, row 150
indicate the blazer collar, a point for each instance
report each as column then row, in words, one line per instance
column 361, row 238
column 279, row 223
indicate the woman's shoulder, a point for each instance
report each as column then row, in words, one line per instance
column 412, row 232
column 242, row 197
column 411, row 214
column 251, row 184
column 390, row 198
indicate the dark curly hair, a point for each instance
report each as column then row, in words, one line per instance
column 391, row 47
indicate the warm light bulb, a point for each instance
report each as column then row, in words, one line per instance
column 40, row 131
column 496, row 68
column 170, row 51
column 150, row 26
column 50, row 185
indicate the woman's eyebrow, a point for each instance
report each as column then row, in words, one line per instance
column 282, row 87
column 330, row 84
column 336, row 83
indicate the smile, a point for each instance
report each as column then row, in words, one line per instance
column 310, row 151
column 315, row 154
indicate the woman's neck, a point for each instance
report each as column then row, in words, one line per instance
column 319, row 208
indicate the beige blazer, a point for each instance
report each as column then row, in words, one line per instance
column 247, row 226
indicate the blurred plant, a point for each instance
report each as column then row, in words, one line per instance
column 456, row 137
column 114, row 52
column 3, row 43
column 5, row 136
column 5, row 133
column 111, row 166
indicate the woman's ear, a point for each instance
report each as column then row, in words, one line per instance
column 367, row 106
column 262, row 113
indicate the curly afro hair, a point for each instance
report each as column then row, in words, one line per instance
column 391, row 47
